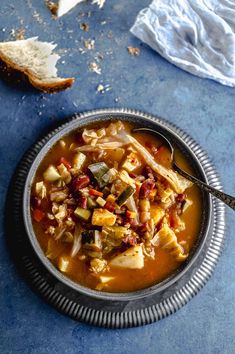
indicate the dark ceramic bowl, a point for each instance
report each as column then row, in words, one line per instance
column 142, row 120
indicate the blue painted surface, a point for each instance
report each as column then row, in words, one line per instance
column 203, row 108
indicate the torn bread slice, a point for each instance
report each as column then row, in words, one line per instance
column 36, row 61
column 65, row 6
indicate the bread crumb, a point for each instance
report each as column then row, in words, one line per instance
column 133, row 51
column 99, row 56
column 94, row 67
column 20, row 34
column 84, row 27
column 53, row 7
column 89, row 44
column 100, row 3
column 103, row 88
column 100, row 88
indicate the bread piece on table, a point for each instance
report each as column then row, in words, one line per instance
column 65, row 6
column 35, row 59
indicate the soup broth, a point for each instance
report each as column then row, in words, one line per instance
column 109, row 212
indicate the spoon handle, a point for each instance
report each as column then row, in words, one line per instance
column 226, row 198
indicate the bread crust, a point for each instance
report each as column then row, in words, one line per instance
column 45, row 86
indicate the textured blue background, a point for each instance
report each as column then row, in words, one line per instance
column 203, row 108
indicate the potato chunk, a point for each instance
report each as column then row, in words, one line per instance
column 63, row 264
column 51, row 174
column 103, row 217
column 41, row 190
column 133, row 258
column 157, row 213
column 79, row 160
column 131, row 162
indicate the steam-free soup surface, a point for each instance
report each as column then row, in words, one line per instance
column 109, row 212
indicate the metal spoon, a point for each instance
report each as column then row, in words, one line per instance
column 225, row 198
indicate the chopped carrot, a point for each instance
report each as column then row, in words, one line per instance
column 130, row 214
column 66, row 163
column 153, row 193
column 95, row 192
column 38, row 215
column 138, row 185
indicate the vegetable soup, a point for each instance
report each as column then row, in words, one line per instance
column 108, row 210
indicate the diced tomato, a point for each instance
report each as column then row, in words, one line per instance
column 82, row 202
column 38, row 215
column 95, row 192
column 146, row 187
column 109, row 206
column 80, row 182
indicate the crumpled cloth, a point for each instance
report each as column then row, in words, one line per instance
column 195, row 35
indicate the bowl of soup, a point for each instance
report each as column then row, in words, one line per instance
column 105, row 212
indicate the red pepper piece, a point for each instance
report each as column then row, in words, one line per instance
column 109, row 206
column 80, row 182
column 147, row 186
column 66, row 163
column 38, row 215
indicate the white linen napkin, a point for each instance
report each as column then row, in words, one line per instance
column 196, row 35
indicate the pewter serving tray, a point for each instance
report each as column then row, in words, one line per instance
column 113, row 310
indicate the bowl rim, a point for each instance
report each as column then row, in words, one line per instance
column 80, row 121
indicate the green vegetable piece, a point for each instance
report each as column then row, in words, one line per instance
column 116, row 232
column 125, row 195
column 83, row 214
column 106, row 192
column 91, row 203
column 91, row 239
column 98, row 170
